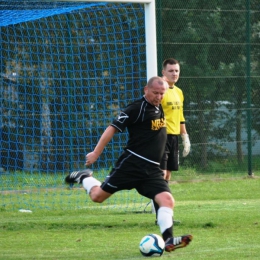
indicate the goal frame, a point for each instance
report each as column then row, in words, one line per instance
column 150, row 31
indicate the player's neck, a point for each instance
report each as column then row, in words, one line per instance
column 171, row 85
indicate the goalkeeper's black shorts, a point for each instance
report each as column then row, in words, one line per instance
column 170, row 160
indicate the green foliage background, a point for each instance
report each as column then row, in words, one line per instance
column 217, row 44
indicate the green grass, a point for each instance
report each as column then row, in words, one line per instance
column 222, row 214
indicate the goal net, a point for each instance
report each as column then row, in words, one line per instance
column 67, row 68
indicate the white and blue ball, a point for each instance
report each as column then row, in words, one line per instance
column 152, row 245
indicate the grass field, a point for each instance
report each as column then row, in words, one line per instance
column 223, row 215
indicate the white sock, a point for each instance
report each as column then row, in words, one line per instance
column 90, row 182
column 164, row 218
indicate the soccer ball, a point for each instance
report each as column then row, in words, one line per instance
column 152, row 245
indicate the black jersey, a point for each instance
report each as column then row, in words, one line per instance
column 146, row 126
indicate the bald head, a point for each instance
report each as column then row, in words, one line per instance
column 155, row 80
column 154, row 90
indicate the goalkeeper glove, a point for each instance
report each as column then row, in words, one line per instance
column 186, row 144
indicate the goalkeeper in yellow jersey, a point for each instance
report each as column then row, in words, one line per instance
column 172, row 104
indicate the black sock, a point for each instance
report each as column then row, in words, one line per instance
column 156, row 207
column 167, row 233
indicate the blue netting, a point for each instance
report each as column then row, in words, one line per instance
column 66, row 70
column 16, row 11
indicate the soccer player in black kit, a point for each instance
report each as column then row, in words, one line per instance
column 139, row 165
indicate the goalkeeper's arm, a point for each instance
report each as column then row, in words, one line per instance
column 185, row 140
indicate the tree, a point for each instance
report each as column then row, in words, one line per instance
column 208, row 37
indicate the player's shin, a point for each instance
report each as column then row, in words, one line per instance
column 165, row 222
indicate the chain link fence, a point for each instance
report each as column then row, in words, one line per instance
column 218, row 46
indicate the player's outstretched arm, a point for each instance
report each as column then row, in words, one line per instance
column 103, row 141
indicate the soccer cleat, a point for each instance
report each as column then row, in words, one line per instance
column 173, row 243
column 78, row 176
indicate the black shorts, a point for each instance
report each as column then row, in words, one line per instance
column 170, row 160
column 132, row 172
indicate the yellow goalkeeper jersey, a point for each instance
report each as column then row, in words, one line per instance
column 172, row 104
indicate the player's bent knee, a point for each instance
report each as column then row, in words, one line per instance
column 96, row 198
column 99, row 196
column 165, row 199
